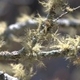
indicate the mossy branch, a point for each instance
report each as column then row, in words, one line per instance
column 15, row 55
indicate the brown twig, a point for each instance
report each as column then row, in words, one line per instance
column 68, row 11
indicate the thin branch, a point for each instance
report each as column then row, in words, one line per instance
column 68, row 11
column 60, row 16
column 11, row 56
column 13, row 53
column 76, row 8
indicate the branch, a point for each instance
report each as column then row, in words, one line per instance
column 11, row 56
column 5, row 55
column 69, row 10
column 60, row 16
column 5, row 76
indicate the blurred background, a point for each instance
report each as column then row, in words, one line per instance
column 10, row 9
column 56, row 68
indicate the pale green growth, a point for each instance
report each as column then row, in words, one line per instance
column 47, row 4
column 2, row 42
column 68, row 42
column 37, row 47
column 23, row 18
column 52, row 4
column 41, row 64
column 39, row 20
column 3, row 26
column 18, row 70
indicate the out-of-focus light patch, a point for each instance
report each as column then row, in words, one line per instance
column 31, row 21
column 23, row 18
column 16, row 26
column 63, row 22
column 77, row 21
column 8, row 77
column 3, row 27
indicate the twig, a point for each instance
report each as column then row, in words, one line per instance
column 76, row 8
column 13, row 56
column 73, row 9
column 60, row 16
column 13, row 53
